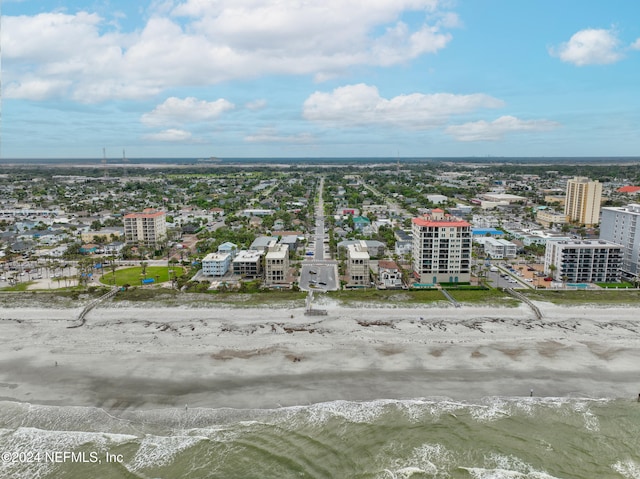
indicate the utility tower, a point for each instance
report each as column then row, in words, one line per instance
column 104, row 162
column 124, row 164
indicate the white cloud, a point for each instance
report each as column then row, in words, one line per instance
column 361, row 104
column 196, row 42
column 256, row 104
column 36, row 89
column 270, row 135
column 171, row 135
column 495, row 130
column 636, row 45
column 589, row 47
column 188, row 110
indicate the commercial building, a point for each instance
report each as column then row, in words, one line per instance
column 148, row 228
column 548, row 218
column 583, row 261
column 583, row 199
column 358, row 265
column 622, row 225
column 216, row 264
column 441, row 249
column 276, row 265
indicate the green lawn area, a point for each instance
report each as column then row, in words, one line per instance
column 18, row 287
column 133, row 276
column 607, row 296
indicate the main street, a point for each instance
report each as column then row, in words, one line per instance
column 317, row 273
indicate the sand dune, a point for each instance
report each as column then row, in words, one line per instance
column 142, row 357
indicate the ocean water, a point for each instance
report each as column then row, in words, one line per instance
column 514, row 438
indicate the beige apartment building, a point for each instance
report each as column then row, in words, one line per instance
column 358, row 260
column 147, row 228
column 441, row 249
column 583, row 201
column 276, row 265
column 548, row 218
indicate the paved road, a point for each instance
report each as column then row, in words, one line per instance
column 318, row 270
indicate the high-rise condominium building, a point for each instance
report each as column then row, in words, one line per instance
column 622, row 225
column 441, row 249
column 147, row 228
column 582, row 203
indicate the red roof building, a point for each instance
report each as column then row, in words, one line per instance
column 629, row 189
column 441, row 249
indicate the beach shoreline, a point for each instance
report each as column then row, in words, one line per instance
column 140, row 357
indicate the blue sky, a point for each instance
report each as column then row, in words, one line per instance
column 320, row 78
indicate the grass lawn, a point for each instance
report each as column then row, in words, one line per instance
column 607, row 296
column 17, row 287
column 133, row 276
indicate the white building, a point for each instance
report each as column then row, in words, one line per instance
column 583, row 261
column 441, row 249
column 503, row 198
column 622, row 225
column 358, row 264
column 216, row 264
column 389, row 275
column 276, row 265
column 499, row 248
column 437, row 199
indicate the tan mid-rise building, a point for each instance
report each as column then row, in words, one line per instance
column 148, row 228
column 358, row 260
column 276, row 265
column 583, row 199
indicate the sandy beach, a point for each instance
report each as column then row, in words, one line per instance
column 135, row 356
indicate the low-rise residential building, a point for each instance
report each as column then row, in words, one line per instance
column 358, row 265
column 228, row 247
column 257, row 212
column 360, row 223
column 498, row 248
column 248, row 264
column 375, row 248
column 276, row 265
column 263, row 243
column 216, row 264
column 389, row 275
column 109, row 233
column 583, row 261
column 404, row 243
column 89, row 248
column 114, row 248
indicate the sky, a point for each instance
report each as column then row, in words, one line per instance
column 319, row 78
